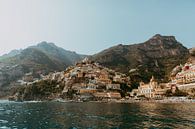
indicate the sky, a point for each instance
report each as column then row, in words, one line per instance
column 89, row 26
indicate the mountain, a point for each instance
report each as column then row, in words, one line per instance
column 40, row 59
column 157, row 56
column 179, row 67
column 58, row 54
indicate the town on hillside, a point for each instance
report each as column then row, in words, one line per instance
column 85, row 81
column 90, row 81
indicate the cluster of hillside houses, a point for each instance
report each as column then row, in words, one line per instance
column 88, row 79
column 183, row 80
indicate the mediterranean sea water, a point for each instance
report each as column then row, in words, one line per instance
column 59, row 115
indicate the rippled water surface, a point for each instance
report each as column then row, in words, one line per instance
column 56, row 115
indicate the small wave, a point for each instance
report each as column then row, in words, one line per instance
column 2, row 109
column 4, row 127
column 32, row 101
column 3, row 121
column 4, row 101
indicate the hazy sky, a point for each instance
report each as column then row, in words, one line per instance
column 89, row 26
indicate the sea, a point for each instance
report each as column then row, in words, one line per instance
column 91, row 115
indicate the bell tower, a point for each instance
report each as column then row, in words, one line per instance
column 153, row 83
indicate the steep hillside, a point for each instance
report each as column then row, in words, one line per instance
column 157, row 56
column 40, row 59
column 35, row 59
column 58, row 54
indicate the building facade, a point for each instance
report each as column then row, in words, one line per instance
column 147, row 89
column 186, row 76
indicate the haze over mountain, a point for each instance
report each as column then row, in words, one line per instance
column 40, row 59
column 11, row 54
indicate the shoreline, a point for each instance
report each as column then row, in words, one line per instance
column 146, row 101
column 110, row 101
column 158, row 101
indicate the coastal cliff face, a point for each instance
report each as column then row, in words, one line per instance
column 192, row 55
column 157, row 56
column 84, row 81
column 192, row 51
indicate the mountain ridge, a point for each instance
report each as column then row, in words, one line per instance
column 42, row 58
column 156, row 56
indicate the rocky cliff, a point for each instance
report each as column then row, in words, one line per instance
column 157, row 56
column 192, row 55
